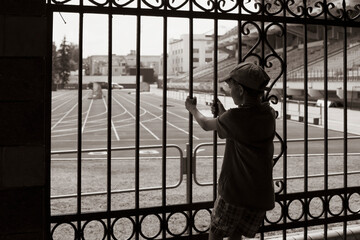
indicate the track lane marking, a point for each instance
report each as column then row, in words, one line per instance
column 112, row 123
column 62, row 104
column 87, row 115
column 67, row 113
column 175, row 103
column 153, row 134
column 160, row 117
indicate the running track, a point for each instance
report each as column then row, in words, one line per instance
column 94, row 124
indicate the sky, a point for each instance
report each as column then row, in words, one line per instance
column 95, row 34
column 95, row 38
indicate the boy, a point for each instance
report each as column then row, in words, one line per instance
column 246, row 188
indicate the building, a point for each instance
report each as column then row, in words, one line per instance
column 146, row 61
column 97, row 65
column 178, row 58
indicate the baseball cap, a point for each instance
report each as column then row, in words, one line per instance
column 249, row 75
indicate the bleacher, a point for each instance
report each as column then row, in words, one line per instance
column 203, row 76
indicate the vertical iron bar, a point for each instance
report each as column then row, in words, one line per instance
column 48, row 104
column 109, row 125
column 284, row 108
column 239, row 38
column 189, row 194
column 326, row 126
column 345, row 127
column 305, row 125
column 262, row 64
column 137, row 141
column 79, row 147
column 164, row 122
column 215, row 61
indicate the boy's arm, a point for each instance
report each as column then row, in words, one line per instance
column 206, row 123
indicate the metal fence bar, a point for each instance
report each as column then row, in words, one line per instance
column 109, row 118
column 326, row 124
column 137, row 140
column 284, row 120
column 262, row 64
column 306, row 120
column 189, row 165
column 215, row 86
column 47, row 123
column 79, row 132
column 345, row 124
column 164, row 121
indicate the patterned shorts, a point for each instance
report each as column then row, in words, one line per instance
column 228, row 220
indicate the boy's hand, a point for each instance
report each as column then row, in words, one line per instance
column 217, row 108
column 190, row 103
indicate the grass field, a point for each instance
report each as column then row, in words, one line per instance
column 93, row 129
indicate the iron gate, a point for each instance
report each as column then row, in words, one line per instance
column 266, row 33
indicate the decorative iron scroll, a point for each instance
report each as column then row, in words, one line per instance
column 313, row 204
column 310, row 9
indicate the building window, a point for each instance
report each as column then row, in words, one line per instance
column 208, row 60
column 196, row 50
column 196, row 59
column 208, row 51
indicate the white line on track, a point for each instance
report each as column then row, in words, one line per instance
column 153, row 134
column 175, row 103
column 112, row 123
column 87, row 115
column 160, row 117
column 59, row 106
column 67, row 113
column 59, row 95
column 176, row 116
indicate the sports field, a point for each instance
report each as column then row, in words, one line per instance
column 94, row 122
column 94, row 132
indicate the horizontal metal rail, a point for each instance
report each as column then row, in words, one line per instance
column 87, row 194
column 292, row 155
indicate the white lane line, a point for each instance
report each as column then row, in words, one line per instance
column 112, row 123
column 167, row 111
column 175, row 103
column 160, row 117
column 59, row 95
column 176, row 116
column 59, row 106
column 87, row 115
column 67, row 113
column 153, row 134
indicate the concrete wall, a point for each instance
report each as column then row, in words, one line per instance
column 23, row 104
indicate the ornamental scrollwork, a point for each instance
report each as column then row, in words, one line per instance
column 300, row 9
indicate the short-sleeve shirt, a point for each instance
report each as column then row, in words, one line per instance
column 246, row 175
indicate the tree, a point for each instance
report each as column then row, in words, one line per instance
column 64, row 62
column 74, row 57
column 55, row 66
